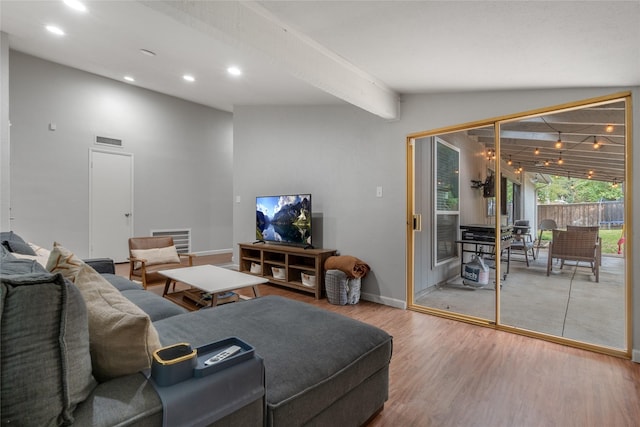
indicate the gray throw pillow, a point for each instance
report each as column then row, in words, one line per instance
column 19, row 247
column 46, row 364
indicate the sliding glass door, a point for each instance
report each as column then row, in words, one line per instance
column 477, row 197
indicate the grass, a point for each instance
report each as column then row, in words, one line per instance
column 609, row 238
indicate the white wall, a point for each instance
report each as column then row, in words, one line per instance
column 182, row 156
column 4, row 131
column 340, row 154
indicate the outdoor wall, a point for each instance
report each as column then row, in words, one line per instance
column 340, row 154
column 473, row 166
column 182, row 156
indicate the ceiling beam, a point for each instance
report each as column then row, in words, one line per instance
column 247, row 25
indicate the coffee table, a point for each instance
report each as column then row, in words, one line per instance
column 208, row 279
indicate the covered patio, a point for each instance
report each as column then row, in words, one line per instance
column 568, row 303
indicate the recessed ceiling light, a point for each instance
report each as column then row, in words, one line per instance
column 234, row 71
column 147, row 52
column 55, row 30
column 189, row 78
column 76, row 5
column 129, row 79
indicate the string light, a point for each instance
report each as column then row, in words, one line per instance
column 609, row 128
column 596, row 144
column 560, row 161
column 509, row 162
column 536, row 151
column 559, row 142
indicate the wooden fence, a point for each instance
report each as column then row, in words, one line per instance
column 609, row 214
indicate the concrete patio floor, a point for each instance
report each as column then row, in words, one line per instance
column 569, row 303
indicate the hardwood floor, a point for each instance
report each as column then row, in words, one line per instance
column 447, row 373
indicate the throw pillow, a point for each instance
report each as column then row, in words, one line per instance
column 18, row 247
column 155, row 256
column 46, row 365
column 41, row 255
column 15, row 243
column 121, row 335
column 63, row 261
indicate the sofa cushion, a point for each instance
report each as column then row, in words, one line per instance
column 13, row 265
column 121, row 283
column 46, row 366
column 122, row 336
column 154, row 305
column 155, row 256
column 344, row 351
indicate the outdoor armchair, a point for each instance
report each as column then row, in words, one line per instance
column 575, row 246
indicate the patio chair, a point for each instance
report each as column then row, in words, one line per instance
column 522, row 239
column 545, row 225
column 148, row 255
column 575, row 246
column 595, row 228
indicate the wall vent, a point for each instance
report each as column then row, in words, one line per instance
column 181, row 238
column 113, row 142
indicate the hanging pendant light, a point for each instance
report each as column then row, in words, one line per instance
column 559, row 142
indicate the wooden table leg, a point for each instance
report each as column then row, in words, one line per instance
column 256, row 291
column 214, row 299
column 166, row 286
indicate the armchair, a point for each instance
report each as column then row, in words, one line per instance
column 575, row 246
column 148, row 255
column 595, row 228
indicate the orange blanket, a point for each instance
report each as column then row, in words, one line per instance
column 350, row 265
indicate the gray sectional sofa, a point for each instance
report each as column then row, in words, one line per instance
column 320, row 368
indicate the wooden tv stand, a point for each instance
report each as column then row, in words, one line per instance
column 293, row 259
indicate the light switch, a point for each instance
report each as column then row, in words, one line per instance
column 237, row 199
column 379, row 191
column 52, row 126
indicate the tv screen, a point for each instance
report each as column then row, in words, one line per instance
column 284, row 219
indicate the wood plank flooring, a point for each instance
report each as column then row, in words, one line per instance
column 447, row 373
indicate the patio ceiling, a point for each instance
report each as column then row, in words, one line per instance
column 578, row 130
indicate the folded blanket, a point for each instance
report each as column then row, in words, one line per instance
column 350, row 265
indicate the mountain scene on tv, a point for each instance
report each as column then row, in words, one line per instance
column 284, row 219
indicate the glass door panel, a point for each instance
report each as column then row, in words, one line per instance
column 443, row 167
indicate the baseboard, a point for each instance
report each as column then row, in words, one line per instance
column 213, row 252
column 635, row 356
column 391, row 302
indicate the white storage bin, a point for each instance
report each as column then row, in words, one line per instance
column 256, row 268
column 278, row 273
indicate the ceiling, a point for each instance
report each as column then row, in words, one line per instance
column 365, row 53
column 531, row 143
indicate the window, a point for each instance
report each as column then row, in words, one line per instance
column 447, row 202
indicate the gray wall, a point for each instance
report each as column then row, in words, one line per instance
column 340, row 154
column 4, row 130
column 182, row 156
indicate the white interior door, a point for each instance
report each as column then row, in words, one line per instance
column 111, row 204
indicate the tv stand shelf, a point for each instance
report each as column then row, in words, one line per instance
column 293, row 260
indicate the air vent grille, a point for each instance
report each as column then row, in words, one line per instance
column 181, row 238
column 114, row 142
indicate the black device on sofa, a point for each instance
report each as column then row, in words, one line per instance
column 321, row 368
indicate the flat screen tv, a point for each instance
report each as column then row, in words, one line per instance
column 284, row 219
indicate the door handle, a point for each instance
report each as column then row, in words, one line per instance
column 417, row 222
column 127, row 214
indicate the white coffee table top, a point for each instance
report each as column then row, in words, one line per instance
column 210, row 278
